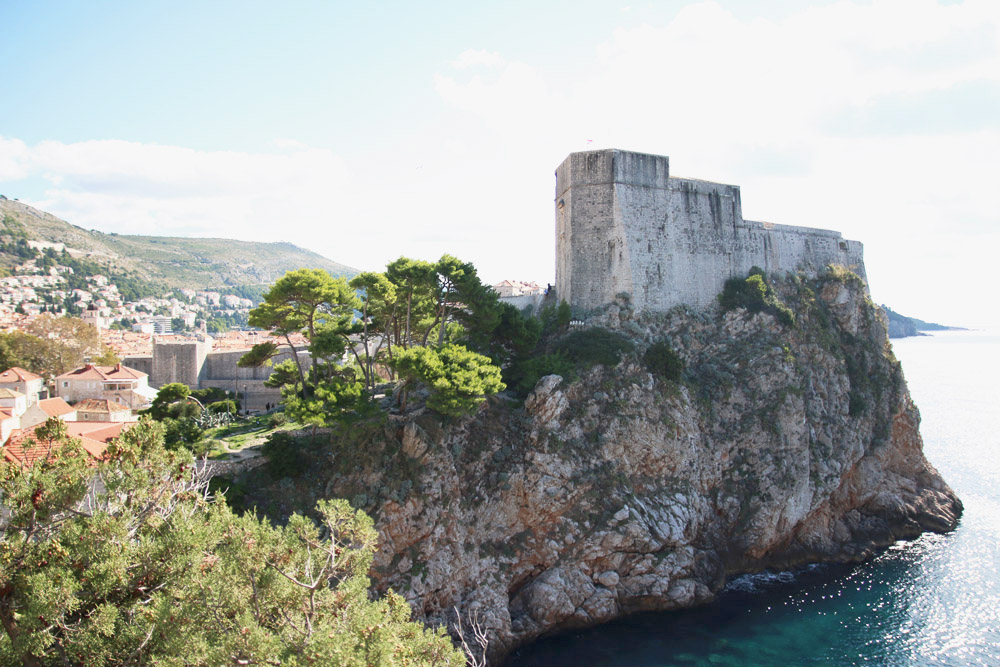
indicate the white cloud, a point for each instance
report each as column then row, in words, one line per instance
column 827, row 116
column 128, row 187
column 832, row 116
column 473, row 58
column 507, row 96
column 12, row 159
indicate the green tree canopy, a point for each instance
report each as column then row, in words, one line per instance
column 313, row 303
column 153, row 570
column 378, row 310
column 458, row 379
column 167, row 395
column 415, row 282
column 50, row 346
column 259, row 355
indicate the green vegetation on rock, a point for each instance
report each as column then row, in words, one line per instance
column 458, row 378
column 662, row 361
column 755, row 295
column 567, row 355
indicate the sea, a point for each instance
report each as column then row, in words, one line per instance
column 930, row 601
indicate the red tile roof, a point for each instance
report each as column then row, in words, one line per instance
column 127, row 343
column 55, row 407
column 93, row 372
column 100, row 405
column 16, row 451
column 16, row 374
column 102, row 432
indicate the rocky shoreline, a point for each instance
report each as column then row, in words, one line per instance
column 621, row 491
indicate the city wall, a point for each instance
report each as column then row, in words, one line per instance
column 192, row 362
column 179, row 361
column 623, row 225
column 221, row 371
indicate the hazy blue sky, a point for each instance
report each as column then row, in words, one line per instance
column 369, row 130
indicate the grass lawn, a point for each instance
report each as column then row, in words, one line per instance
column 242, row 434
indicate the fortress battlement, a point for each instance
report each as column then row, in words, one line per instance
column 624, row 225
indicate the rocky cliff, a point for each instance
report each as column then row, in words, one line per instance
column 622, row 491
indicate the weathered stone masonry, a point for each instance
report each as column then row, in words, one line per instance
column 623, row 225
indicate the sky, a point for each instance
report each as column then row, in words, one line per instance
column 366, row 131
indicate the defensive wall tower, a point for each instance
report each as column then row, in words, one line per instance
column 624, row 225
column 192, row 362
column 178, row 361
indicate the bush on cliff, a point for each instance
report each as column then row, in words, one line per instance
column 568, row 356
column 842, row 275
column 458, row 378
column 523, row 375
column 661, row 360
column 754, row 294
column 589, row 347
column 284, row 455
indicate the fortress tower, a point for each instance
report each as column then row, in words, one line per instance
column 624, row 225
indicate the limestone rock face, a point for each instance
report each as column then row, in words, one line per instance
column 620, row 492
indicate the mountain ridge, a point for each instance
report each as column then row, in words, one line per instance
column 193, row 262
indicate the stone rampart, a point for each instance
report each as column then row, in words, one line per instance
column 534, row 301
column 178, row 361
column 192, row 362
column 623, row 225
column 221, row 370
column 142, row 363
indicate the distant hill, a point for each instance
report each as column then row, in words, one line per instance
column 195, row 263
column 901, row 326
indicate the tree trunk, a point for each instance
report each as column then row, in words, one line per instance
column 10, row 627
column 409, row 302
column 298, row 364
column 444, row 315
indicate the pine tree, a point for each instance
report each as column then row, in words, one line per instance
column 132, row 562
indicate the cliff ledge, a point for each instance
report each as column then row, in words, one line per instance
column 621, row 491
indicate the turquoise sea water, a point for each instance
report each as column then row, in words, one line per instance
column 932, row 601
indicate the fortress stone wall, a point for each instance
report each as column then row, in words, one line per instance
column 178, row 361
column 192, row 362
column 221, row 370
column 624, row 225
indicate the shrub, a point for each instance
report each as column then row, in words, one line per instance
column 523, row 375
column 754, row 294
column 856, row 404
column 589, row 347
column 184, row 433
column 227, row 406
column 750, row 292
column 277, row 420
column 210, row 394
column 842, row 275
column 284, row 455
column 783, row 313
column 563, row 315
column 579, row 350
column 661, row 360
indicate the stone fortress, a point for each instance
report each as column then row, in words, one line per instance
column 623, row 225
column 193, row 362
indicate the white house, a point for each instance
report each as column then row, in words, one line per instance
column 117, row 383
column 22, row 381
